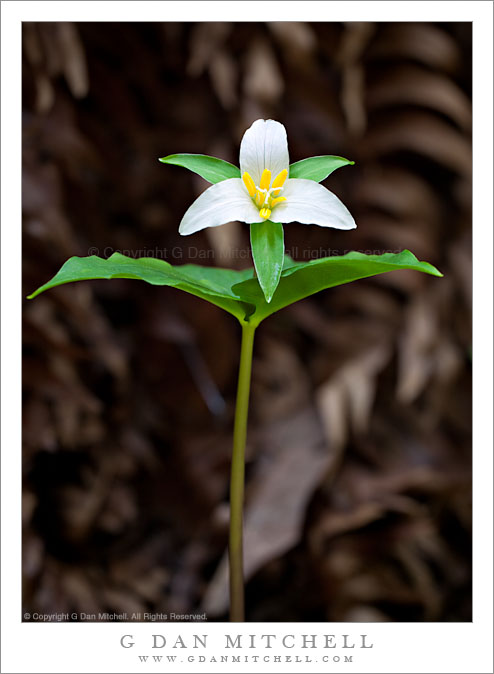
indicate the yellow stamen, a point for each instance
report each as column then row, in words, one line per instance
column 278, row 200
column 280, row 178
column 264, row 198
column 249, row 184
column 260, row 199
column 265, row 179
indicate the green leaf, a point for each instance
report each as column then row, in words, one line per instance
column 209, row 283
column 304, row 279
column 317, row 168
column 212, row 169
column 239, row 292
column 268, row 252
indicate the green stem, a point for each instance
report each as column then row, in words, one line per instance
column 238, row 476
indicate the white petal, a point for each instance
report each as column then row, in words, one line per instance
column 312, row 204
column 220, row 203
column 264, row 145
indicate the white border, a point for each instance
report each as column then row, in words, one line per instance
column 94, row 647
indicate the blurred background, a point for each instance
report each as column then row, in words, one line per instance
column 358, row 500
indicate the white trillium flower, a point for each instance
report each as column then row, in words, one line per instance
column 265, row 191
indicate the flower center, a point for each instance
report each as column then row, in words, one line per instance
column 266, row 196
